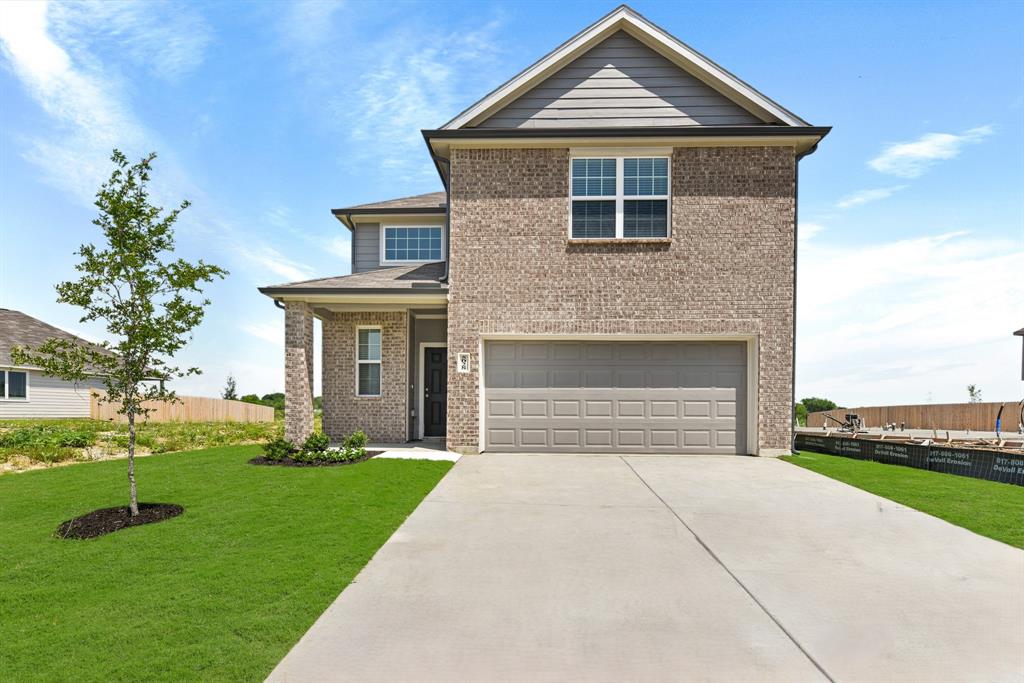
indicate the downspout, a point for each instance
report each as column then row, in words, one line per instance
column 447, row 211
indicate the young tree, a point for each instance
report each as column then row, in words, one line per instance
column 230, row 392
column 974, row 393
column 149, row 302
column 815, row 405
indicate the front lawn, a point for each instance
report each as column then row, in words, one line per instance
column 985, row 507
column 219, row 593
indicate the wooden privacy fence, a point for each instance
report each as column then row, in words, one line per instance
column 187, row 409
column 979, row 417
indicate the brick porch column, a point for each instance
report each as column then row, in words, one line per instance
column 298, row 371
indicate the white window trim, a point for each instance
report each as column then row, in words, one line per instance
column 7, row 386
column 379, row 362
column 620, row 197
column 383, row 244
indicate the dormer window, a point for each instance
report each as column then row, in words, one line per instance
column 619, row 197
column 411, row 244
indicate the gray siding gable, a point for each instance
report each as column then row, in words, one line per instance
column 365, row 247
column 620, row 82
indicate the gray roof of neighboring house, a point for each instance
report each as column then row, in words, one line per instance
column 18, row 329
column 423, row 277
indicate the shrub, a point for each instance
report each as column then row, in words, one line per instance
column 357, row 440
column 279, row 449
column 317, row 442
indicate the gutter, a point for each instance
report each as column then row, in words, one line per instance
column 397, row 291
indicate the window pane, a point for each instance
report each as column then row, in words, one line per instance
column 593, row 219
column 412, row 244
column 645, row 177
column 369, row 379
column 645, row 218
column 3, row 380
column 17, row 383
column 593, row 177
column 369, row 344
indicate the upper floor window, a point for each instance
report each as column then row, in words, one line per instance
column 13, row 384
column 415, row 244
column 619, row 197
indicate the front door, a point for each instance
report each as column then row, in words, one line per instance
column 435, row 391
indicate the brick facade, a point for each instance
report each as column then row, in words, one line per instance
column 728, row 268
column 384, row 417
column 298, row 371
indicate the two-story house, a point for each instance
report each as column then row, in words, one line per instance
column 611, row 267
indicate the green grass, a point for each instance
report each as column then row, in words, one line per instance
column 985, row 507
column 219, row 593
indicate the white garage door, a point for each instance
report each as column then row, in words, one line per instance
column 625, row 397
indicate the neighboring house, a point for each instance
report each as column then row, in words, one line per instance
column 610, row 269
column 24, row 390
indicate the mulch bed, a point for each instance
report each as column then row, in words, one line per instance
column 288, row 462
column 109, row 520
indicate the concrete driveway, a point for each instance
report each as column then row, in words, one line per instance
column 601, row 568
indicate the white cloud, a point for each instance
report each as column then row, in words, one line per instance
column 897, row 322
column 167, row 39
column 340, row 246
column 807, row 231
column 911, row 159
column 266, row 258
column 414, row 85
column 269, row 332
column 866, row 196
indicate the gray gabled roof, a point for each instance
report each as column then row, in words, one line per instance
column 19, row 329
column 399, row 280
column 432, row 201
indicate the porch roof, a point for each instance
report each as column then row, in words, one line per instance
column 416, row 279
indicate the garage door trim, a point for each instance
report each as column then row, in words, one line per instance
column 751, row 368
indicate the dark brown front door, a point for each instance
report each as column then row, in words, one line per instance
column 435, row 391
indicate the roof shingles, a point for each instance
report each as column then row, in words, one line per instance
column 424, row 276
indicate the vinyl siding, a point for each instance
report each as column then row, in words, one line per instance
column 620, row 82
column 366, row 247
column 50, row 397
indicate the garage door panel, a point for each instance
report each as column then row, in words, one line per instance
column 660, row 397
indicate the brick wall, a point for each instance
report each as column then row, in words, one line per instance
column 383, row 417
column 298, row 371
column 727, row 270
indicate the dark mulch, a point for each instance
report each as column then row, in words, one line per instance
column 288, row 462
column 109, row 520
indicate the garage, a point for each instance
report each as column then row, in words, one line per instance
column 615, row 396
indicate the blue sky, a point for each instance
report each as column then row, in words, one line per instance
column 267, row 115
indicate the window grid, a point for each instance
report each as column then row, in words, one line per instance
column 368, row 361
column 639, row 207
column 412, row 243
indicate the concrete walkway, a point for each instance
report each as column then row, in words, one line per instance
column 575, row 568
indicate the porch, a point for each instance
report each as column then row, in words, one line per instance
column 383, row 361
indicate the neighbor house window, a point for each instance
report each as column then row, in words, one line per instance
column 401, row 244
column 13, row 384
column 619, row 197
column 368, row 361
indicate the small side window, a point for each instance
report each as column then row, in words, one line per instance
column 368, row 361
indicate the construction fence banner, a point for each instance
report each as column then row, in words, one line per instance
column 992, row 465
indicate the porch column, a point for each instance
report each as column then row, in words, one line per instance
column 298, row 371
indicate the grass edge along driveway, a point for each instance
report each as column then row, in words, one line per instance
column 988, row 508
column 220, row 593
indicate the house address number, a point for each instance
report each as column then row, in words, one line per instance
column 462, row 362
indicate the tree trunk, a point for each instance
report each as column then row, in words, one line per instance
column 134, row 504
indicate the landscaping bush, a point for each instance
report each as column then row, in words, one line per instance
column 278, row 449
column 317, row 442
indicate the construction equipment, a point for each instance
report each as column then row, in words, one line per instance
column 852, row 423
